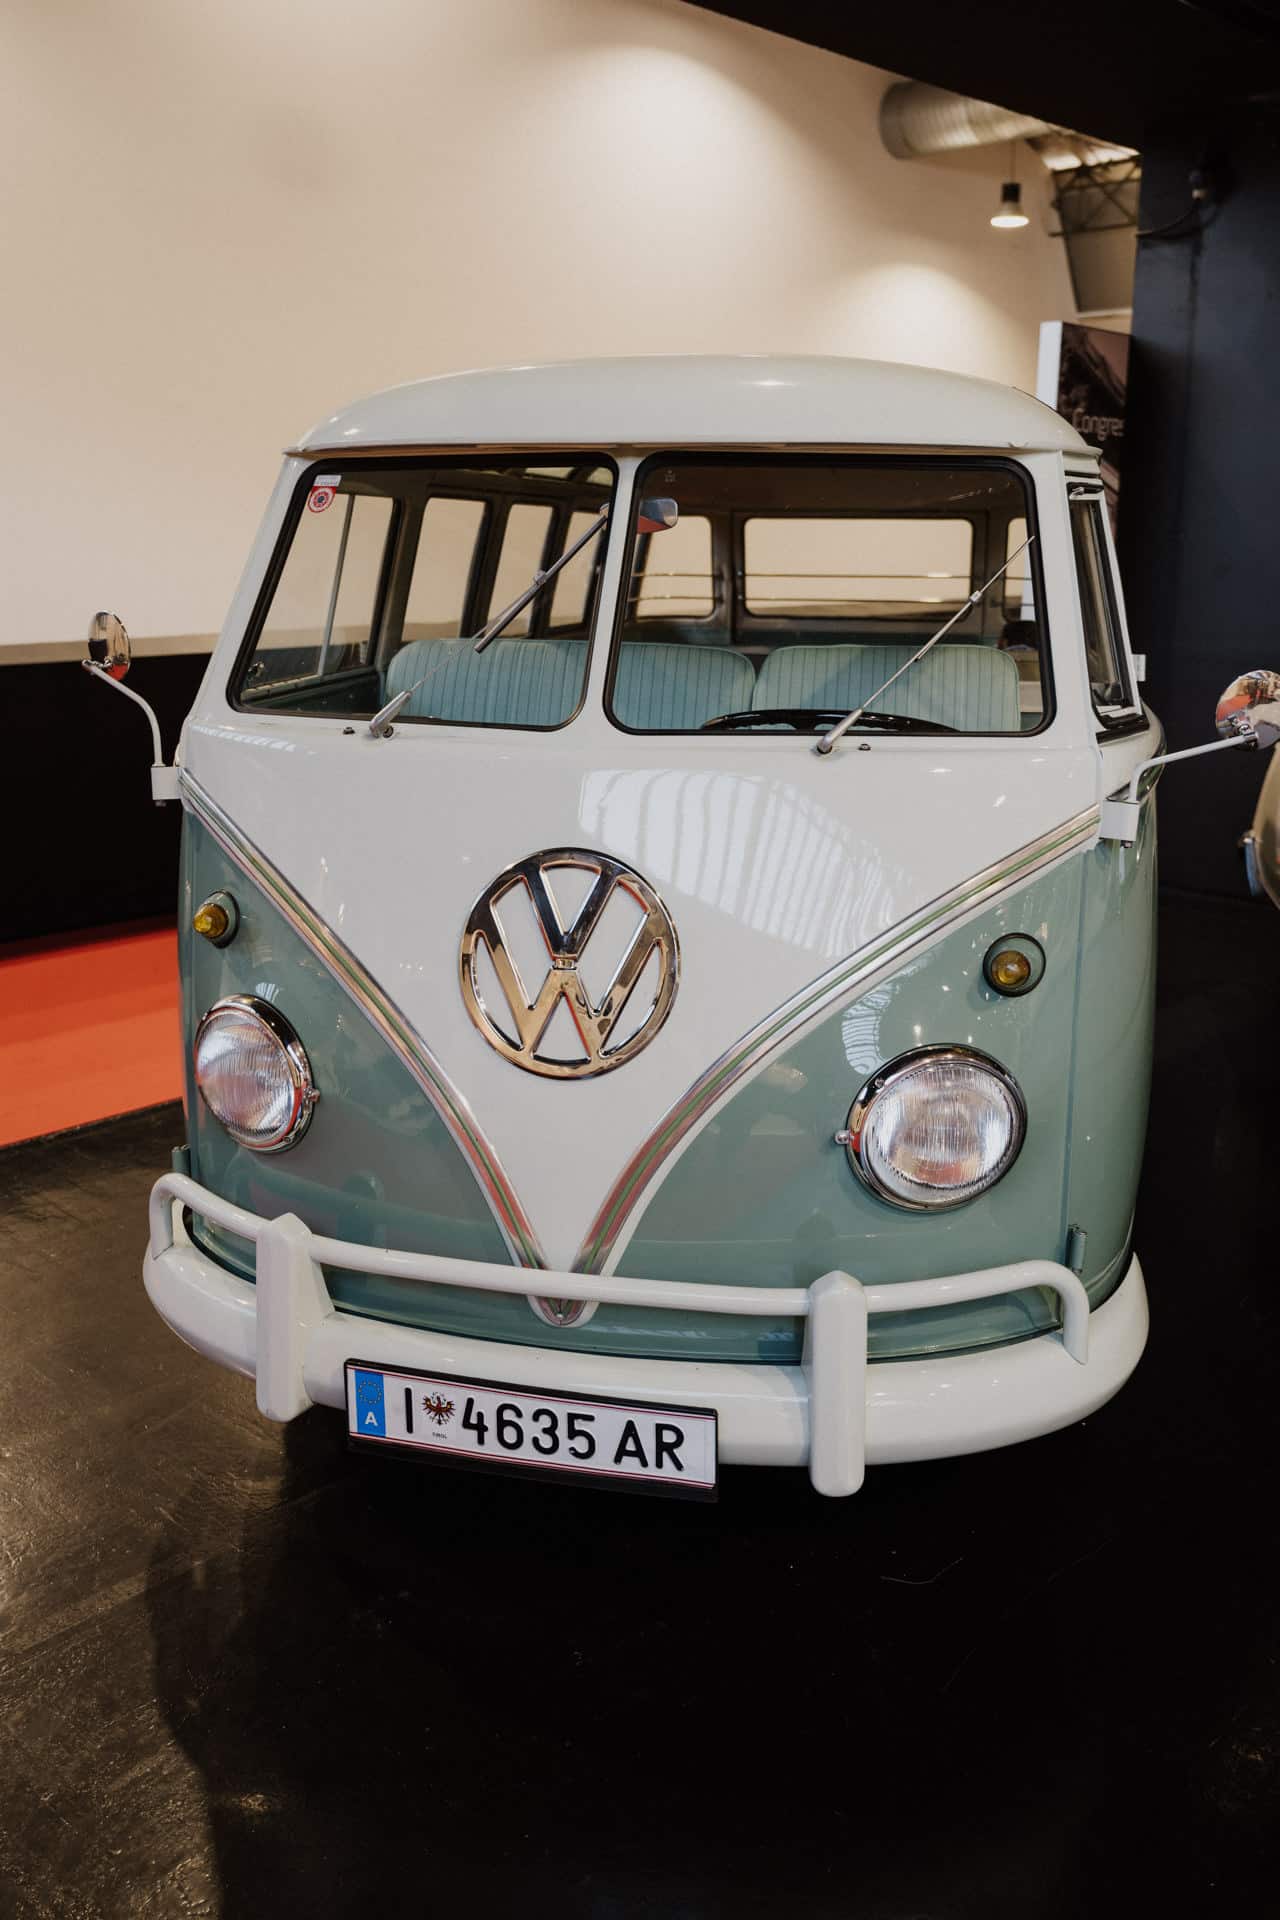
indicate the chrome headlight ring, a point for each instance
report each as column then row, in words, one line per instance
column 297, row 1087
column 868, row 1156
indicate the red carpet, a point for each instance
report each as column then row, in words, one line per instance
column 88, row 1028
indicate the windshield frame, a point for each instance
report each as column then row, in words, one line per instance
column 465, row 459
column 862, row 456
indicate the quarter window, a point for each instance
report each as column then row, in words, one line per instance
column 675, row 580
column 830, row 568
column 573, row 582
column 442, row 568
column 1113, row 698
column 1017, row 579
column 321, row 615
column 523, row 543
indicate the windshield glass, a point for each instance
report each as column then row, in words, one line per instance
column 793, row 587
column 385, row 570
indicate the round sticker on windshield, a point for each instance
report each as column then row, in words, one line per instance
column 319, row 498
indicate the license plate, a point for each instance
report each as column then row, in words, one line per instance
column 669, row 1450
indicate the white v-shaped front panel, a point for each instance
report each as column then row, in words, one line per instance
column 773, row 865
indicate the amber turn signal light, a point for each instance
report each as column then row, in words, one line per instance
column 1009, row 969
column 1013, row 965
column 216, row 919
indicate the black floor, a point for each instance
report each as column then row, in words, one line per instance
column 243, row 1673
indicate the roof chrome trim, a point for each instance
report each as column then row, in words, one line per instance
column 604, row 1239
column 338, row 960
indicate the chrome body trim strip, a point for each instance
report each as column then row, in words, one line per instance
column 338, row 960
column 842, row 982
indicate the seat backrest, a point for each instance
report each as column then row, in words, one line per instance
column 673, row 687
column 513, row 683
column 974, row 689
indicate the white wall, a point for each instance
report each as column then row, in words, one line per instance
column 223, row 219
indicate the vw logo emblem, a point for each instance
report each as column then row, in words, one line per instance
column 608, row 954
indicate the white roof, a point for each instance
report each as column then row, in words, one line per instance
column 683, row 400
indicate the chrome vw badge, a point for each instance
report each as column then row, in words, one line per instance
column 614, row 963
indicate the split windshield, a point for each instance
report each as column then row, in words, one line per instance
column 386, row 570
column 788, row 590
column 793, row 588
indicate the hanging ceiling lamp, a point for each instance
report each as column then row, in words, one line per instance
column 1009, row 213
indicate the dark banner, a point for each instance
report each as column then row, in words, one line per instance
column 1082, row 374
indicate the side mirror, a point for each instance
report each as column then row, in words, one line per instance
column 655, row 516
column 109, row 657
column 1248, row 715
column 1250, row 708
column 109, row 647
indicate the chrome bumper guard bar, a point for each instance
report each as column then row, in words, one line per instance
column 295, row 1316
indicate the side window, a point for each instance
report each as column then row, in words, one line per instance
column 573, row 582
column 321, row 615
column 676, row 581
column 1113, row 697
column 523, row 540
column 442, row 569
column 841, row 569
column 1017, row 579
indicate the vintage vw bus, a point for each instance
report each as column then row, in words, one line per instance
column 667, row 976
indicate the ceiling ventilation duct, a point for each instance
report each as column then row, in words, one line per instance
column 917, row 119
column 1095, row 182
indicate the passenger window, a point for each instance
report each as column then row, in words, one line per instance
column 1017, row 579
column 321, row 616
column 385, row 571
column 830, row 568
column 442, row 569
column 1113, row 697
column 839, row 569
column 676, row 581
column 573, row 582
column 524, row 540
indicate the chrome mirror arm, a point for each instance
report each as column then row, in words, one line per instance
column 164, row 779
column 1242, row 739
column 157, row 746
column 1120, row 812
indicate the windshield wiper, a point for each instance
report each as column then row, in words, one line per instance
column 829, row 739
column 801, row 717
column 653, row 516
column 380, row 724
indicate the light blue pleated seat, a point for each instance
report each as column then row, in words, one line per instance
column 972, row 688
column 513, row 683
column 668, row 687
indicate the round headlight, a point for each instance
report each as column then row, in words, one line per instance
column 935, row 1128
column 253, row 1073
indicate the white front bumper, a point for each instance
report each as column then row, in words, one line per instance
column 833, row 1412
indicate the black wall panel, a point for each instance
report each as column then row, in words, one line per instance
column 1200, row 504
column 84, row 843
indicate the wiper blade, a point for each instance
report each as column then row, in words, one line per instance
column 767, row 717
column 802, row 717
column 501, row 621
column 829, row 739
column 383, row 718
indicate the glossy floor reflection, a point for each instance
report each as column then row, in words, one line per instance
column 242, row 1672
